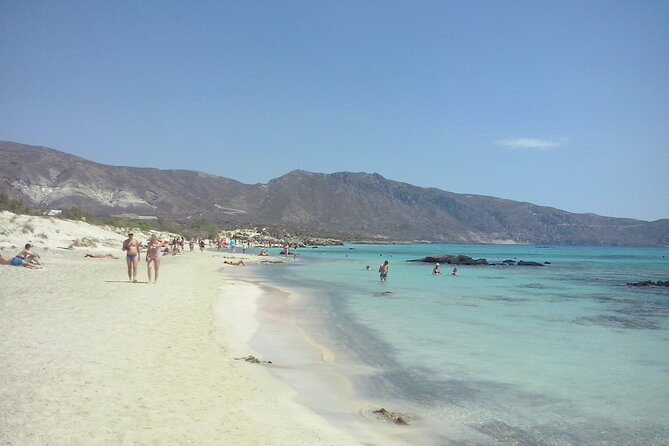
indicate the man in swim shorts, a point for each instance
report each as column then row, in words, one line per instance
column 15, row 261
column 383, row 271
column 132, row 249
column 29, row 256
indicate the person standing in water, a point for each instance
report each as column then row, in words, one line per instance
column 132, row 249
column 153, row 258
column 436, row 271
column 383, row 271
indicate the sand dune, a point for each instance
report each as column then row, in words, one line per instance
column 53, row 233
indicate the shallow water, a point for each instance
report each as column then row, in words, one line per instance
column 563, row 354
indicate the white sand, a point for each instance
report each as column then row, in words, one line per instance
column 87, row 358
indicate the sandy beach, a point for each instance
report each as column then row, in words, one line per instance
column 88, row 358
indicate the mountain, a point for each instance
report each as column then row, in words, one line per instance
column 365, row 206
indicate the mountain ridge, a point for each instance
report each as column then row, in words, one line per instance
column 364, row 205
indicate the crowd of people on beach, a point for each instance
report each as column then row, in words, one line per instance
column 155, row 249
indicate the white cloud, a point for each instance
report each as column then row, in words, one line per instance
column 530, row 143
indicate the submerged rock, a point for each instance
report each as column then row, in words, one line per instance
column 650, row 283
column 621, row 322
column 524, row 263
column 390, row 416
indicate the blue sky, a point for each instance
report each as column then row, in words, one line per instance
column 562, row 103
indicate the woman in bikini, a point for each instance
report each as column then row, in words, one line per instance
column 153, row 258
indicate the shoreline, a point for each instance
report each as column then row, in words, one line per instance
column 88, row 358
column 273, row 401
column 326, row 376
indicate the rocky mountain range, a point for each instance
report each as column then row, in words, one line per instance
column 363, row 206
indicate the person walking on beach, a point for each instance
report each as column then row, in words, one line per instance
column 132, row 250
column 383, row 271
column 153, row 258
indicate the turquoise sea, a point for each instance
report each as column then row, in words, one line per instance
column 564, row 354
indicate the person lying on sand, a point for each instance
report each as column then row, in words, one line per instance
column 237, row 263
column 101, row 256
column 15, row 261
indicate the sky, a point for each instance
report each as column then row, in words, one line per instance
column 557, row 103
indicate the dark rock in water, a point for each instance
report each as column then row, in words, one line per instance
column 524, row 263
column 466, row 260
column 452, row 260
column 538, row 286
column 649, row 283
column 621, row 322
column 390, row 416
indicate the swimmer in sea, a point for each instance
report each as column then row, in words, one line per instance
column 132, row 250
column 436, row 271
